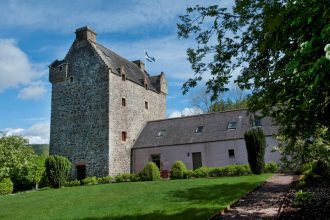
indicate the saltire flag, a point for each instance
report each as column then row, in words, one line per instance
column 150, row 59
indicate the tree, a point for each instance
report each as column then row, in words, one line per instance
column 255, row 146
column 281, row 49
column 38, row 169
column 58, row 169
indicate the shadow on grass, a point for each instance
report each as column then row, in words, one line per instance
column 221, row 194
column 191, row 214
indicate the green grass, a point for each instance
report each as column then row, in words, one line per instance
column 175, row 199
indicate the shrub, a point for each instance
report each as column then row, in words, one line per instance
column 73, row 183
column 189, row 174
column 58, row 169
column 105, row 179
column 91, row 180
column 230, row 170
column 6, row 186
column 201, row 172
column 322, row 168
column 302, row 198
column 271, row 167
column 122, row 177
column 134, row 177
column 150, row 172
column 178, row 170
column 255, row 145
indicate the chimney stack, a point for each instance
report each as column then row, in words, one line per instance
column 85, row 33
column 140, row 64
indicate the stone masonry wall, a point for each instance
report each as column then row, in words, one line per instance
column 131, row 118
column 80, row 112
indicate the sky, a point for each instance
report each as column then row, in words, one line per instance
column 35, row 33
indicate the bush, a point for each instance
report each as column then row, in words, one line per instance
column 73, row 183
column 322, row 168
column 135, row 178
column 58, row 169
column 6, row 186
column 178, row 170
column 189, row 174
column 150, row 172
column 271, row 167
column 302, row 198
column 91, row 180
column 230, row 170
column 105, row 179
column 255, row 145
column 122, row 177
column 201, row 172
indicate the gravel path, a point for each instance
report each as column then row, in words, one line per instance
column 264, row 202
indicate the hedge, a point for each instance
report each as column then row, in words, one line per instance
column 150, row 172
column 6, row 186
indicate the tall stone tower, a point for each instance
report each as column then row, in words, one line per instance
column 100, row 103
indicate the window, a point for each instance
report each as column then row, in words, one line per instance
column 156, row 159
column 146, row 86
column 146, row 105
column 119, row 70
column 61, row 67
column 231, row 153
column 123, row 77
column 161, row 133
column 123, row 102
column 232, row 125
column 257, row 123
column 199, row 129
column 71, row 79
column 123, row 135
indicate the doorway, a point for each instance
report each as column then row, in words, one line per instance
column 81, row 172
column 197, row 160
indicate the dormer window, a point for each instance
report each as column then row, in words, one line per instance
column 161, row 133
column 232, row 125
column 199, row 129
column 257, row 123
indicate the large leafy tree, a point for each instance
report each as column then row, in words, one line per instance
column 281, row 49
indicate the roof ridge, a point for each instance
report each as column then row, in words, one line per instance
column 198, row 115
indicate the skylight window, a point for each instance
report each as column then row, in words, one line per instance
column 232, row 125
column 257, row 123
column 161, row 133
column 199, row 129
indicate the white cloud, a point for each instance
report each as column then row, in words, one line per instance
column 186, row 112
column 36, row 134
column 16, row 71
column 32, row 92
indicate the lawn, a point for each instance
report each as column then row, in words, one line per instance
column 174, row 199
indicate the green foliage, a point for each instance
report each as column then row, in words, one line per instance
column 150, row 172
column 230, row 170
column 41, row 149
column 123, row 177
column 105, row 179
column 91, row 180
column 302, row 198
column 38, row 169
column 271, row 167
column 58, row 169
column 189, row 174
column 282, row 52
column 201, row 172
column 178, row 170
column 135, row 177
column 6, row 186
column 255, row 145
column 73, row 183
column 298, row 152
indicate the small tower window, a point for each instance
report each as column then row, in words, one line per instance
column 123, row 102
column 71, row 79
column 146, row 105
column 123, row 77
column 146, row 86
column 199, row 129
column 123, row 136
column 231, row 153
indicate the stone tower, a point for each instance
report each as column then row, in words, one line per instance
column 100, row 103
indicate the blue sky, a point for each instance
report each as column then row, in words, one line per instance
column 34, row 33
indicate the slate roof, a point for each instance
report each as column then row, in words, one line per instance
column 132, row 71
column 182, row 130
